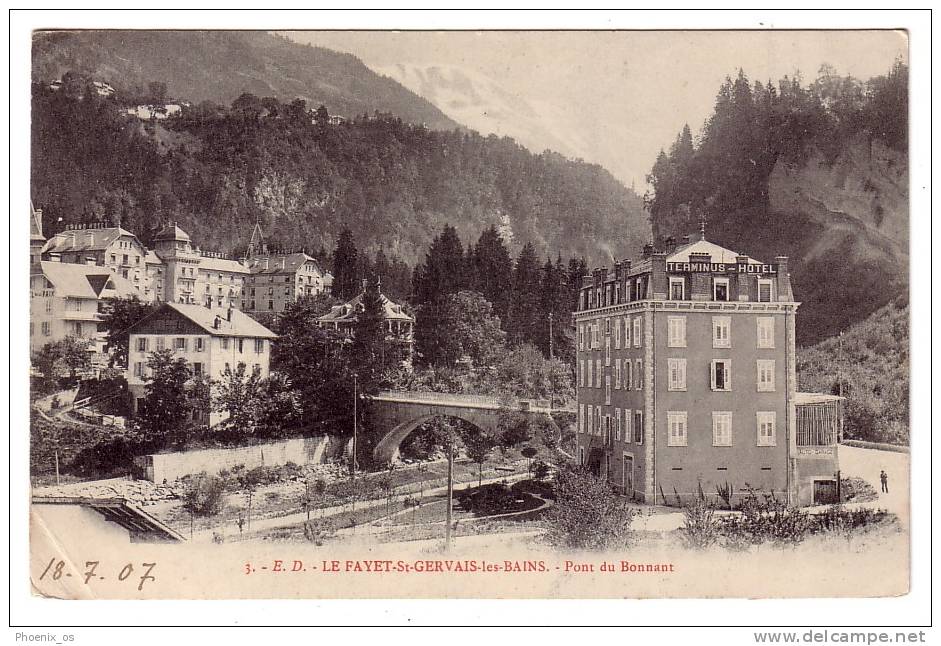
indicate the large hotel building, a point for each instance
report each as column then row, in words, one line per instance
column 686, row 380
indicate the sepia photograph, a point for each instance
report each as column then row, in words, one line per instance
column 490, row 314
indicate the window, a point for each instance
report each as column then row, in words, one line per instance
column 48, row 305
column 627, row 332
column 617, row 334
column 138, row 369
column 594, row 336
column 200, row 344
column 638, row 427
column 765, row 332
column 628, row 374
column 607, row 351
column 637, row 333
column 270, row 305
column 721, row 332
column 766, row 375
column 591, row 378
column 676, row 332
column 259, row 346
column 241, row 345
column 597, row 373
column 607, row 327
column 720, row 289
column 677, row 289
column 721, row 428
column 627, row 425
column 591, row 420
column 141, row 344
column 766, row 436
column 639, row 374
column 581, row 418
column 225, row 343
column 179, row 344
column 676, row 428
column 617, row 375
column 721, row 374
column 45, row 328
column 607, row 390
column 257, row 368
column 677, row 374
column 765, row 291
column 581, row 373
column 197, row 369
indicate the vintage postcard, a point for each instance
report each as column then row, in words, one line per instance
column 468, row 314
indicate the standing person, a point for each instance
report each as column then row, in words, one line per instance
column 885, row 481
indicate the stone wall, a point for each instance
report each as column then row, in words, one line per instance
column 170, row 466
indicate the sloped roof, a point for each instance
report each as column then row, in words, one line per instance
column 86, row 281
column 172, row 232
column 222, row 264
column 347, row 311
column 142, row 526
column 86, row 239
column 282, row 263
column 241, row 325
column 151, row 258
column 717, row 253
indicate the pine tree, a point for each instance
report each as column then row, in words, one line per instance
column 369, row 356
column 492, row 273
column 444, row 270
column 524, row 315
column 345, row 264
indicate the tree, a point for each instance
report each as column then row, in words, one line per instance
column 117, row 318
column 587, row 514
column 461, row 325
column 368, row 352
column 58, row 359
column 524, row 315
column 156, row 92
column 530, row 452
column 239, row 394
column 492, row 270
column 478, row 445
column 444, row 270
column 166, row 409
column 345, row 257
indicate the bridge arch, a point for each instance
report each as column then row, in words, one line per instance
column 387, row 448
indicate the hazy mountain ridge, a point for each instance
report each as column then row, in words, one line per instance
column 221, row 65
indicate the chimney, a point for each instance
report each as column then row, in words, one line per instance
column 686, row 239
column 90, row 261
column 647, row 250
column 740, row 281
column 783, row 280
column 658, row 277
column 228, row 314
column 670, row 244
column 217, row 322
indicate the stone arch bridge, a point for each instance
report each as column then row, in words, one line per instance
column 400, row 413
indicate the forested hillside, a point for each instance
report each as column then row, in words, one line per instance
column 817, row 172
column 871, row 360
column 217, row 169
column 220, row 66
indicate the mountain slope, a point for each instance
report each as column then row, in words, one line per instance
column 394, row 185
column 221, row 65
column 871, row 360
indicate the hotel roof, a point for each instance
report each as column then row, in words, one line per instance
column 240, row 325
column 86, row 239
column 347, row 311
column 86, row 281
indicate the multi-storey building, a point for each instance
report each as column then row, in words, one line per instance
column 210, row 340
column 686, row 379
column 66, row 299
column 400, row 325
column 179, row 272
column 104, row 246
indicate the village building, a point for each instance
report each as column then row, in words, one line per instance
column 101, row 245
column 399, row 324
column 686, row 380
column 277, row 279
column 67, row 300
column 209, row 340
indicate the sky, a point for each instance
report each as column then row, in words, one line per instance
column 622, row 95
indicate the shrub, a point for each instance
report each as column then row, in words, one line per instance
column 540, row 469
column 700, row 528
column 587, row 513
column 205, row 495
column 496, row 498
column 764, row 520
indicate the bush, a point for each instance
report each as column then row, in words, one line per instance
column 587, row 513
column 540, row 469
column 700, row 527
column 496, row 498
column 205, row 495
column 765, row 520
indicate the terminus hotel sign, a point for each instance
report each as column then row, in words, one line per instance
column 720, row 268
